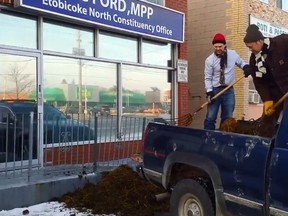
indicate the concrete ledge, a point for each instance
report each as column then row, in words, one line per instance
column 43, row 191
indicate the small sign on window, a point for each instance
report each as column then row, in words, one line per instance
column 182, row 70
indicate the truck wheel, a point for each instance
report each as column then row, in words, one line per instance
column 189, row 198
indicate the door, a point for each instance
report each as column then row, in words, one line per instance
column 278, row 188
column 20, row 90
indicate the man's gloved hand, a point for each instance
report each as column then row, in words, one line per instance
column 209, row 96
column 246, row 70
column 268, row 108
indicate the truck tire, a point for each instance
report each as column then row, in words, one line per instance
column 189, row 198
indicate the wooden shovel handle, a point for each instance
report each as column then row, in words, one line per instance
column 226, row 88
column 280, row 101
column 219, row 94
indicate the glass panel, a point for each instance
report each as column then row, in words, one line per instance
column 67, row 39
column 285, row 5
column 18, row 80
column 13, row 26
column 156, row 53
column 117, row 47
column 64, row 78
column 152, row 98
column 76, row 87
column 159, row 2
column 18, row 77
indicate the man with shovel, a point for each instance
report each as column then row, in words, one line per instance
column 218, row 74
column 269, row 69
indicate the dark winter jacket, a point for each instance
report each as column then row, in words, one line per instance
column 274, row 83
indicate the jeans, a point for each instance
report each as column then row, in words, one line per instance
column 227, row 103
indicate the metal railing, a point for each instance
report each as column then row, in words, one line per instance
column 78, row 144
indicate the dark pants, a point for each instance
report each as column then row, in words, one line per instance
column 227, row 103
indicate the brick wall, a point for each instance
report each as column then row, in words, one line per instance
column 181, row 5
column 268, row 12
column 207, row 17
column 236, row 25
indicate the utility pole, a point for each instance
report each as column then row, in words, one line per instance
column 5, row 83
column 79, row 51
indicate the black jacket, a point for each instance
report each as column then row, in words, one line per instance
column 274, row 83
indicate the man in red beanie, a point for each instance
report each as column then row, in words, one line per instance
column 269, row 68
column 219, row 73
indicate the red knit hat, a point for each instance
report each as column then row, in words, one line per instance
column 219, row 38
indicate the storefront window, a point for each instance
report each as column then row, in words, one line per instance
column 66, row 39
column 156, row 53
column 14, row 26
column 146, row 92
column 65, row 78
column 117, row 47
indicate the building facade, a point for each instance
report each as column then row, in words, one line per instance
column 205, row 19
column 92, row 52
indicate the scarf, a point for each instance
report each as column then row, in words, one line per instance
column 260, row 59
column 223, row 65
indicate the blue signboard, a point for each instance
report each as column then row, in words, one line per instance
column 128, row 15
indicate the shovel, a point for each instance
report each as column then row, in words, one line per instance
column 280, row 101
column 264, row 126
column 187, row 119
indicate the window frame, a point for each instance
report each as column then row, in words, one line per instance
column 139, row 38
column 156, row 2
column 280, row 4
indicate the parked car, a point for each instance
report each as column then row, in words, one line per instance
column 15, row 128
column 103, row 110
column 72, row 110
column 131, row 109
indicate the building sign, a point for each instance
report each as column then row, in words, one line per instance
column 129, row 15
column 268, row 29
column 182, row 70
column 87, row 93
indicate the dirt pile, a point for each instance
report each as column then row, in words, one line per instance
column 121, row 192
column 260, row 127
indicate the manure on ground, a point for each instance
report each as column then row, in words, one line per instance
column 121, row 192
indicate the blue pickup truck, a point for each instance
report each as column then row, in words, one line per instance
column 209, row 173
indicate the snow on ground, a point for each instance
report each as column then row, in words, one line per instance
column 46, row 209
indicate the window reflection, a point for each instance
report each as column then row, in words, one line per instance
column 150, row 98
column 159, row 2
column 117, row 47
column 12, row 26
column 18, row 77
column 284, row 5
column 65, row 78
column 156, row 53
column 67, row 39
